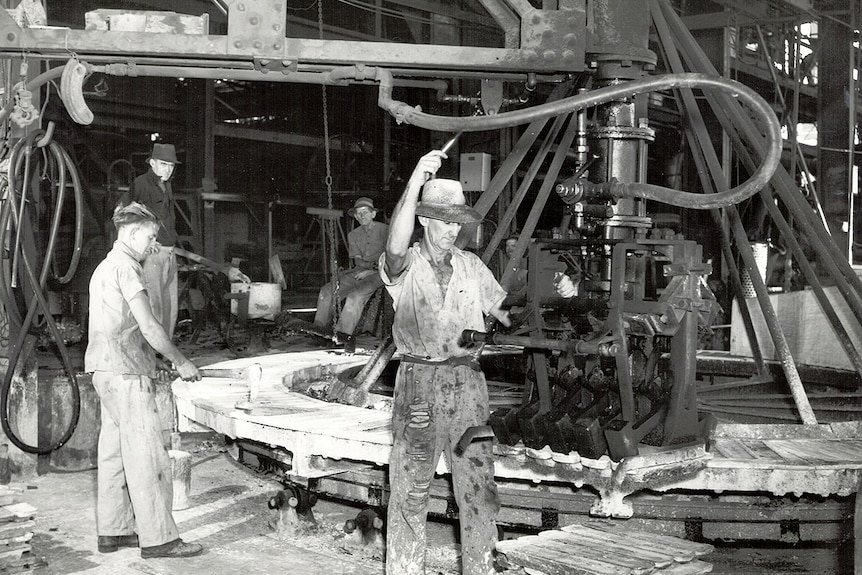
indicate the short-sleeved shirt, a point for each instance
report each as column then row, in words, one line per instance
column 429, row 325
column 364, row 246
column 145, row 190
column 115, row 341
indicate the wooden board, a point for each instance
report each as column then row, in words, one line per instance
column 606, row 548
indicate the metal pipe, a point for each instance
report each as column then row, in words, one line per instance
column 576, row 346
column 782, row 349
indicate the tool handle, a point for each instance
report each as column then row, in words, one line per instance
column 218, row 372
column 229, row 373
column 451, row 142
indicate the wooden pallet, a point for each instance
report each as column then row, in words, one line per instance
column 600, row 547
column 17, row 523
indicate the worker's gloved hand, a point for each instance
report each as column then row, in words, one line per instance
column 188, row 371
column 164, row 371
column 427, row 166
column 565, row 286
column 235, row 275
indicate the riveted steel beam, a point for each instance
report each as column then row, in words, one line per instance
column 555, row 45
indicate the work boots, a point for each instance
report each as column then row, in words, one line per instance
column 176, row 548
column 110, row 543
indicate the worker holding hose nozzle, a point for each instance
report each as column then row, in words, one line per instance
column 153, row 190
column 135, row 490
column 567, row 286
column 438, row 290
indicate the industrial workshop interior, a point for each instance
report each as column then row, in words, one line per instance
column 238, row 234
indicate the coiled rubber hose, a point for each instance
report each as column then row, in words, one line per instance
column 20, row 159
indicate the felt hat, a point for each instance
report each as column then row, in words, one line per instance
column 362, row 202
column 444, row 199
column 165, row 153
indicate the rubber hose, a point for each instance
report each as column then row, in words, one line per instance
column 8, row 206
column 405, row 113
column 13, row 360
column 64, row 164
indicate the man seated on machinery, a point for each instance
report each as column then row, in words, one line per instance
column 356, row 284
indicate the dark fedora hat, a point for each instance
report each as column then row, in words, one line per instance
column 165, row 153
column 362, row 202
column 444, row 199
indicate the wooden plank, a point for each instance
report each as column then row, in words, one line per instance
column 731, row 449
column 522, row 552
column 793, row 452
column 834, row 451
column 17, row 512
column 692, row 568
column 12, row 540
column 759, row 450
column 617, row 544
column 16, row 528
column 667, row 541
column 566, row 543
column 13, row 553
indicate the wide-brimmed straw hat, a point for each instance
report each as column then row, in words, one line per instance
column 362, row 202
column 444, row 199
column 165, row 153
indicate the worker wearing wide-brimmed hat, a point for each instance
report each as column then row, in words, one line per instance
column 153, row 190
column 358, row 283
column 438, row 290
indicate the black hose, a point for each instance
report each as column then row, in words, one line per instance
column 64, row 166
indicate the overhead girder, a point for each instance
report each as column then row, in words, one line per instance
column 551, row 42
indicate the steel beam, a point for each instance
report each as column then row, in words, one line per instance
column 273, row 51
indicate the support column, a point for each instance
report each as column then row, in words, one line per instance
column 200, row 150
column 833, row 78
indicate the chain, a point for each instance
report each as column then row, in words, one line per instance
column 330, row 224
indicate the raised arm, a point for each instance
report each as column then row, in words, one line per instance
column 404, row 215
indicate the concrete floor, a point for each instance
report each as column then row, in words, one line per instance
column 228, row 516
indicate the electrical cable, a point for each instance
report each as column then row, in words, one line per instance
column 64, row 166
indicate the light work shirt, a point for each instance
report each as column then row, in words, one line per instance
column 429, row 325
column 115, row 342
column 364, row 246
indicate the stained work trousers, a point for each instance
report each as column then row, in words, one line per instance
column 355, row 294
column 433, row 407
column 160, row 279
column 135, row 489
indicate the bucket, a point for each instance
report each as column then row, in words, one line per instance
column 181, row 477
column 264, row 299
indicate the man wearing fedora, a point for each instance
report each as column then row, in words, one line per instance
column 438, row 290
column 153, row 190
column 357, row 284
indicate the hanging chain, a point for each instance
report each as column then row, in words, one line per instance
column 330, row 224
